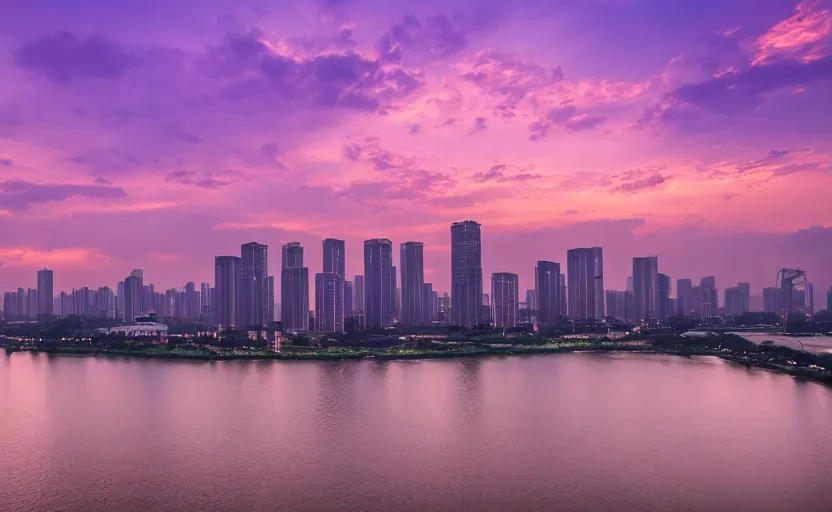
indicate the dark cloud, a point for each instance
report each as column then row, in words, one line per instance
column 584, row 122
column 102, row 181
column 435, row 37
column 633, row 183
column 497, row 173
column 567, row 117
column 6, row 162
column 741, row 91
column 208, row 180
column 480, row 124
column 414, row 128
column 190, row 138
column 64, row 56
column 107, row 160
column 21, row 195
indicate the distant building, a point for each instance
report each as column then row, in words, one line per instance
column 132, row 297
column 547, row 292
column 645, row 288
column 737, row 299
column 564, row 303
column 663, row 297
column 505, row 302
column 358, row 300
column 334, row 257
column 45, row 292
column 466, row 273
column 411, row 261
column 616, row 302
column 429, row 306
column 585, row 268
column 349, row 298
column 710, row 297
column 254, row 277
column 829, row 299
column 684, row 298
column 329, row 302
column 294, row 289
column 227, row 270
column 378, row 283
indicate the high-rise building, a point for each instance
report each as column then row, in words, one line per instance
column 684, row 297
column 358, row 300
column 531, row 300
column 645, row 288
column 395, row 293
column 663, row 296
column 547, row 291
column 411, row 260
column 132, row 297
column 505, row 299
column 45, row 292
column 378, row 283
column 616, row 303
column 585, row 267
column 271, row 300
column 294, row 290
column 191, row 302
column 734, row 301
column 564, row 302
column 254, row 276
column 710, row 297
column 745, row 288
column 428, row 304
column 466, row 273
column 334, row 257
column 349, row 298
column 227, row 277
column 829, row 300
column 329, row 302
column 772, row 300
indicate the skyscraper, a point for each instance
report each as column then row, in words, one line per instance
column 710, row 297
column 271, row 300
column 429, row 305
column 645, row 287
column 329, row 302
column 294, row 290
column 564, row 303
column 772, row 300
column 737, row 299
column 411, row 261
column 663, row 305
column 45, row 292
column 585, row 267
column 191, row 302
column 684, row 297
column 505, row 299
column 349, row 298
column 334, row 257
column 829, row 300
column 358, row 300
column 466, row 273
column 378, row 283
column 132, row 297
column 547, row 291
column 254, row 276
column 227, row 270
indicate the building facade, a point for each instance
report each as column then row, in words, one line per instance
column 505, row 300
column 378, row 283
column 466, row 273
column 411, row 262
column 547, row 292
column 585, row 269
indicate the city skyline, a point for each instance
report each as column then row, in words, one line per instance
column 550, row 123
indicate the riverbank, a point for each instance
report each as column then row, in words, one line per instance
column 748, row 359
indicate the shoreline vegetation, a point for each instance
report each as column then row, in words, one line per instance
column 799, row 364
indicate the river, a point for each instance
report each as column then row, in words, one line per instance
column 574, row 432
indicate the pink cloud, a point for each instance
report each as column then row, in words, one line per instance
column 803, row 36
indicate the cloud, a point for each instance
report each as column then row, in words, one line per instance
column 6, row 162
column 634, row 186
column 804, row 36
column 742, row 91
column 208, row 180
column 480, row 125
column 497, row 173
column 775, row 163
column 102, row 181
column 435, row 37
column 64, row 57
column 566, row 116
column 21, row 195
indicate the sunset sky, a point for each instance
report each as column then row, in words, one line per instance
column 157, row 134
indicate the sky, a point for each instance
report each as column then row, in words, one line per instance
column 157, row 134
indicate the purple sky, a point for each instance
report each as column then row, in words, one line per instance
column 157, row 134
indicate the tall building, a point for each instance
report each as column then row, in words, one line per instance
column 329, row 302
column 505, row 299
column 294, row 290
column 429, row 305
column 745, row 288
column 227, row 273
column 710, row 297
column 378, row 283
column 684, row 297
column 829, row 300
column 645, row 288
column 411, row 261
column 334, row 257
column 349, row 299
column 737, row 299
column 547, row 291
column 358, row 300
column 132, row 302
column 45, row 292
column 395, row 292
column 585, row 268
column 271, row 318
column 564, row 302
column 254, row 276
column 663, row 306
column 466, row 273
column 616, row 302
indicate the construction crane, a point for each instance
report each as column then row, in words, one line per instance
column 787, row 279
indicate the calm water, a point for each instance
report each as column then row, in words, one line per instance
column 562, row 432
